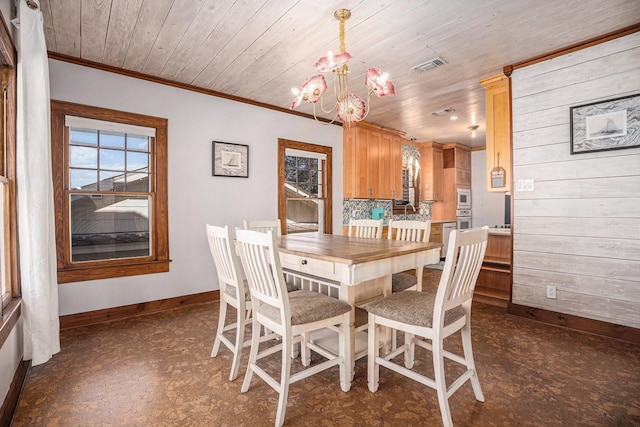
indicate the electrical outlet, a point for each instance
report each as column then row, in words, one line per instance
column 551, row 292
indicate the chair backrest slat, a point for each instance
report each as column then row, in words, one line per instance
column 224, row 258
column 367, row 228
column 409, row 230
column 264, row 226
column 462, row 265
column 261, row 262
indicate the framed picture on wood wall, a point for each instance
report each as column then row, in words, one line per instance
column 606, row 125
column 230, row 159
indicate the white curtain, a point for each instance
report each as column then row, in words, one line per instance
column 36, row 230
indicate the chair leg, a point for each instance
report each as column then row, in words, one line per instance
column 471, row 364
column 410, row 352
column 305, row 351
column 394, row 339
column 343, row 346
column 373, row 368
column 284, row 380
column 221, row 322
column 441, row 385
column 237, row 353
column 253, row 355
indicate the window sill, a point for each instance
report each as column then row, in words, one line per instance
column 11, row 314
column 91, row 272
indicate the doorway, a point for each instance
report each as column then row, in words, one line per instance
column 304, row 187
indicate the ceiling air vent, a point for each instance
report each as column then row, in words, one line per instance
column 425, row 66
column 443, row 111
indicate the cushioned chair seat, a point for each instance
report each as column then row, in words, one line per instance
column 413, row 308
column 402, row 281
column 307, row 307
column 231, row 291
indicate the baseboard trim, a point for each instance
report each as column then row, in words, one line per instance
column 10, row 403
column 598, row 327
column 133, row 310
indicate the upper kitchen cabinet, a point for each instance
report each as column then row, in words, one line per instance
column 457, row 175
column 498, row 116
column 431, row 172
column 390, row 178
column 457, row 161
column 372, row 162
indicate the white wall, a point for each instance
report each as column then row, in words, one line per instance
column 10, row 357
column 487, row 208
column 195, row 197
column 579, row 230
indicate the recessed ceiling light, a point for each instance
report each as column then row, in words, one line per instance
column 453, row 118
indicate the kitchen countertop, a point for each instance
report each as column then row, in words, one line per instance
column 503, row 231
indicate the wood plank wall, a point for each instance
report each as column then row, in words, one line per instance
column 579, row 230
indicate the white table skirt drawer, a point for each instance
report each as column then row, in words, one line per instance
column 313, row 266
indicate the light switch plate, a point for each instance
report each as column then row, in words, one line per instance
column 524, row 185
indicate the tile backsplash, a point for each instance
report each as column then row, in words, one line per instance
column 361, row 209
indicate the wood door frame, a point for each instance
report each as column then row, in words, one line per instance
column 283, row 144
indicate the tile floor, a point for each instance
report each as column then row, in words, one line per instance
column 155, row 370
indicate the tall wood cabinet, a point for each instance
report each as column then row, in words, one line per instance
column 498, row 117
column 372, row 162
column 494, row 280
column 431, row 172
column 457, row 174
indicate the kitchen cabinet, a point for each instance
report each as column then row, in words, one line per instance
column 390, row 167
column 457, row 174
column 431, row 172
column 372, row 162
column 498, row 142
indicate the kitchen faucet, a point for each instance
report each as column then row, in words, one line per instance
column 405, row 209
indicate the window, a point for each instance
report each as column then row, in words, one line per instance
column 304, row 196
column 110, row 179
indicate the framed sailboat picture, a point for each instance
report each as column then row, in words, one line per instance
column 606, row 125
column 230, row 159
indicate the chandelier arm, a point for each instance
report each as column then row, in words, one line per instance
column 321, row 121
column 322, row 107
column 367, row 106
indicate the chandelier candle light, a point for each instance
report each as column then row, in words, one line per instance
column 349, row 107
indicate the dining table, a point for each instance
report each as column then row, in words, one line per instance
column 360, row 269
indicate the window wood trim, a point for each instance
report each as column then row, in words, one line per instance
column 159, row 261
column 8, row 59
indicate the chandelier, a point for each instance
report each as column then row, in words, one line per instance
column 349, row 107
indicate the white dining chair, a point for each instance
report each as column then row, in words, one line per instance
column 369, row 228
column 233, row 292
column 410, row 231
column 290, row 315
column 264, row 225
column 428, row 319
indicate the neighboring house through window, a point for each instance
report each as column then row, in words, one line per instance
column 110, row 180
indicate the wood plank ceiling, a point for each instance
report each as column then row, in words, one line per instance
column 259, row 49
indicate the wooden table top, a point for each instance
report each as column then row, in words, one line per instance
column 348, row 250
